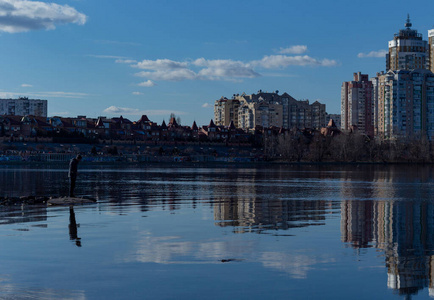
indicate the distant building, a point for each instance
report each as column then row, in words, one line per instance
column 318, row 113
column 226, row 111
column 431, row 49
column 406, row 104
column 269, row 109
column 407, row 50
column 398, row 103
column 23, row 106
column 300, row 114
column 357, row 104
column 405, row 94
column 375, row 91
column 259, row 113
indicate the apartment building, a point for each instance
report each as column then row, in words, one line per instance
column 357, row 104
column 269, row 109
column 406, row 92
column 400, row 102
column 23, row 106
column 225, row 111
column 431, row 49
column 406, row 104
column 259, row 113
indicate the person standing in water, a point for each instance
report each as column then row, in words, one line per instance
column 73, row 165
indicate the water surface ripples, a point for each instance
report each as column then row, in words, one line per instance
column 189, row 232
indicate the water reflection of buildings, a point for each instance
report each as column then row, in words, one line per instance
column 255, row 205
column 256, row 214
column 401, row 223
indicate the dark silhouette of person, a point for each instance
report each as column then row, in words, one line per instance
column 73, row 165
column 73, row 233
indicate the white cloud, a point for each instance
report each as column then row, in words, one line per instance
column 121, row 110
column 220, row 69
column 148, row 83
column 118, row 58
column 223, row 68
column 283, row 61
column 61, row 94
column 298, row 49
column 205, row 105
column 137, row 93
column 169, row 74
column 379, row 53
column 43, row 95
column 165, row 69
column 126, row 61
column 115, row 110
column 161, row 64
column 268, row 74
column 328, row 62
column 25, row 15
column 26, row 85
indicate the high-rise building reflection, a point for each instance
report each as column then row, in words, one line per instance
column 401, row 224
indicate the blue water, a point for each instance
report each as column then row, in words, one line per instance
column 266, row 232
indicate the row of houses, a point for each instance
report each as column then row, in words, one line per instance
column 121, row 128
column 115, row 128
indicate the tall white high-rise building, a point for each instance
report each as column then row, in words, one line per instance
column 406, row 92
column 406, row 104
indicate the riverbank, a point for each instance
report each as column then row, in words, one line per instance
column 103, row 153
column 172, row 152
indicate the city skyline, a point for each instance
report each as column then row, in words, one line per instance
column 159, row 58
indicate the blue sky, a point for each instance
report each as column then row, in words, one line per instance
column 134, row 57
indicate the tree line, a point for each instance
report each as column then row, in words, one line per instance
column 354, row 147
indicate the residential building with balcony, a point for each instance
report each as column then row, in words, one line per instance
column 406, row 104
column 406, row 92
column 269, row 109
column 259, row 113
column 226, row 111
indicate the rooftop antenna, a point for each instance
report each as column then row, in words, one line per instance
column 408, row 23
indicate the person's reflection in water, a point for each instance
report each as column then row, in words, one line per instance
column 73, row 227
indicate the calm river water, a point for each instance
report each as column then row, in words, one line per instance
column 187, row 232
